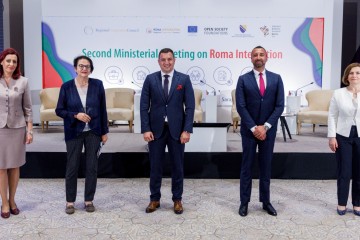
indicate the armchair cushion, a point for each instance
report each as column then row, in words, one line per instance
column 198, row 115
column 318, row 110
column 48, row 99
column 120, row 104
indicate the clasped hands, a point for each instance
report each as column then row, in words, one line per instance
column 260, row 132
column 184, row 138
column 83, row 117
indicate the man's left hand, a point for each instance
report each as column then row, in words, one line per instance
column 185, row 137
column 260, row 132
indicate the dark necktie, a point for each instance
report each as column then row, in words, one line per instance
column 166, row 86
column 262, row 85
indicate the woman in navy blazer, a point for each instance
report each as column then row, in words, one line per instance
column 343, row 134
column 82, row 105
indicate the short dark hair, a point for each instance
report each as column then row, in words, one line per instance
column 260, row 47
column 345, row 77
column 166, row 50
column 76, row 60
column 17, row 71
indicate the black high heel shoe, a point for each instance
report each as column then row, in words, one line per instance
column 356, row 212
column 342, row 212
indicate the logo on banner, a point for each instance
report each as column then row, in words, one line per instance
column 242, row 28
column 114, row 75
column 139, row 74
column 192, row 29
column 222, row 76
column 242, row 32
column 265, row 30
column 196, row 74
column 215, row 31
column 88, row 30
column 159, row 30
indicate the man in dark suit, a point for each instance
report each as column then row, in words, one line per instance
column 167, row 107
column 260, row 103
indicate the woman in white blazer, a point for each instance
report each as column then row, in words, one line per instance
column 343, row 134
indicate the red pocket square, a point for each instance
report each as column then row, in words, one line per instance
column 179, row 87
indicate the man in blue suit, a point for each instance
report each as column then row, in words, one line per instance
column 167, row 107
column 260, row 103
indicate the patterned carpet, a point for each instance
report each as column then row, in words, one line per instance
column 306, row 210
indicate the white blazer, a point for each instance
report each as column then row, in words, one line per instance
column 341, row 113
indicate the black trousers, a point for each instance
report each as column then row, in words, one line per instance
column 74, row 147
column 348, row 166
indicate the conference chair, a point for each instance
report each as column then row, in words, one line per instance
column 198, row 115
column 120, row 105
column 234, row 113
column 317, row 111
column 48, row 99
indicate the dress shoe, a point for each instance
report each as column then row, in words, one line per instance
column 89, row 207
column 5, row 214
column 356, row 212
column 153, row 205
column 178, row 208
column 342, row 212
column 270, row 209
column 69, row 209
column 243, row 210
column 15, row 211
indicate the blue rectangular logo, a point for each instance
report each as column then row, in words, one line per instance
column 192, row 29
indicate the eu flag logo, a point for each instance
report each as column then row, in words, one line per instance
column 192, row 29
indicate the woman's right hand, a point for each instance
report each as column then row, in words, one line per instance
column 333, row 144
column 83, row 117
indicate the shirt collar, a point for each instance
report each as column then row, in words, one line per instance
column 257, row 72
column 171, row 74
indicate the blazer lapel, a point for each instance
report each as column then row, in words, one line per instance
column 253, row 82
column 160, row 87
column 76, row 95
column 174, row 83
column 269, row 82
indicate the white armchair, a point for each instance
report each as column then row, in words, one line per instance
column 317, row 111
column 120, row 104
column 198, row 115
column 48, row 98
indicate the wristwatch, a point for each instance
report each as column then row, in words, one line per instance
column 30, row 132
column 266, row 127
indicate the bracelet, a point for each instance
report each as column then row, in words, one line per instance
column 30, row 132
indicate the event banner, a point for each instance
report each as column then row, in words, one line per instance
column 213, row 51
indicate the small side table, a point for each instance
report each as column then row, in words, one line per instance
column 284, row 124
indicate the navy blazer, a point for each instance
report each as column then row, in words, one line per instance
column 255, row 109
column 69, row 104
column 179, row 107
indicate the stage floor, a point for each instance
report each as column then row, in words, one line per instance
column 121, row 140
column 306, row 156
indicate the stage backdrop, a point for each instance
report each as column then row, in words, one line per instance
column 213, row 51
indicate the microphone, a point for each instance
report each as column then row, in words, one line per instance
column 136, row 84
column 209, row 86
column 302, row 87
